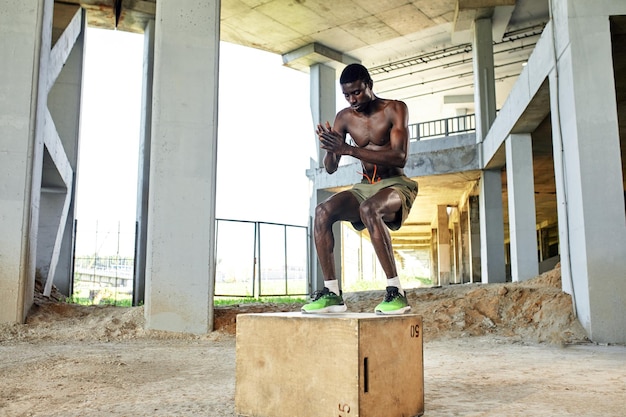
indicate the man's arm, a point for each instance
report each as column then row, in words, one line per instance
column 331, row 159
column 394, row 154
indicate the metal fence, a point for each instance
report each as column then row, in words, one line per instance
column 258, row 259
column 253, row 259
column 442, row 127
column 103, row 278
column 104, row 262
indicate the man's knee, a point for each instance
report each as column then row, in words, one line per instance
column 322, row 213
column 368, row 211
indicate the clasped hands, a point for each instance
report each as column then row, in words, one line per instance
column 330, row 140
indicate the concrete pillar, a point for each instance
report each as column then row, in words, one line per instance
column 484, row 77
column 25, row 41
column 180, row 256
column 323, row 98
column 466, row 258
column 475, row 251
column 491, row 220
column 588, row 167
column 544, row 244
column 143, row 175
column 434, row 258
column 457, row 254
column 491, row 228
column 443, row 245
column 522, row 218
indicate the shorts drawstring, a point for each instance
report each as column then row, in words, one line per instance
column 372, row 180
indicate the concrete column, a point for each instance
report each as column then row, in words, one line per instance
column 25, row 41
column 434, row 258
column 443, row 245
column 180, row 258
column 323, row 98
column 458, row 254
column 491, row 228
column 522, row 219
column 475, row 251
column 484, row 78
column 143, row 175
column 466, row 258
column 544, row 244
column 588, row 167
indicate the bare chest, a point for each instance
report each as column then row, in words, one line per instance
column 371, row 130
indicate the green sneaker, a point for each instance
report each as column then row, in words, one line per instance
column 325, row 301
column 394, row 303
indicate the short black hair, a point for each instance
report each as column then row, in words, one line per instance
column 355, row 72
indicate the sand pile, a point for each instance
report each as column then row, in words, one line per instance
column 536, row 310
column 62, row 321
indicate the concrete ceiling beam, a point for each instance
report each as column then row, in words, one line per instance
column 316, row 53
column 467, row 11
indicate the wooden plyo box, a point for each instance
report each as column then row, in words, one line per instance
column 332, row 365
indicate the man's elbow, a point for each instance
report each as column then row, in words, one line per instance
column 401, row 159
column 330, row 167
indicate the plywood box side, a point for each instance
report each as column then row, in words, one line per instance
column 284, row 365
column 392, row 373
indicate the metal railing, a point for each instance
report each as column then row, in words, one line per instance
column 253, row 259
column 107, row 277
column 442, row 127
column 257, row 259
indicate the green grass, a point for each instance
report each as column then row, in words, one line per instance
column 86, row 301
column 221, row 301
column 218, row 301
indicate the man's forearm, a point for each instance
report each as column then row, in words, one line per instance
column 331, row 162
column 388, row 157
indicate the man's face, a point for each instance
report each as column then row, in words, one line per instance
column 358, row 94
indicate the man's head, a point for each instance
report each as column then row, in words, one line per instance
column 356, row 72
column 356, row 85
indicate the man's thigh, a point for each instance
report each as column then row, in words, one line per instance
column 343, row 206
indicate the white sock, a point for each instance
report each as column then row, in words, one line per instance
column 332, row 285
column 395, row 282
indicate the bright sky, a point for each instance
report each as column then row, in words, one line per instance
column 265, row 139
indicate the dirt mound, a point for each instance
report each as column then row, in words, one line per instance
column 225, row 317
column 49, row 320
column 536, row 310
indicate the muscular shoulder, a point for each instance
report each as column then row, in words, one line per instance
column 396, row 112
column 343, row 118
column 395, row 106
column 345, row 114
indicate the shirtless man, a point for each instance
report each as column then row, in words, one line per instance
column 383, row 199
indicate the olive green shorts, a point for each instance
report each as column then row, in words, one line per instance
column 406, row 188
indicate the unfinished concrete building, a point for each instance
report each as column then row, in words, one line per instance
column 530, row 167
